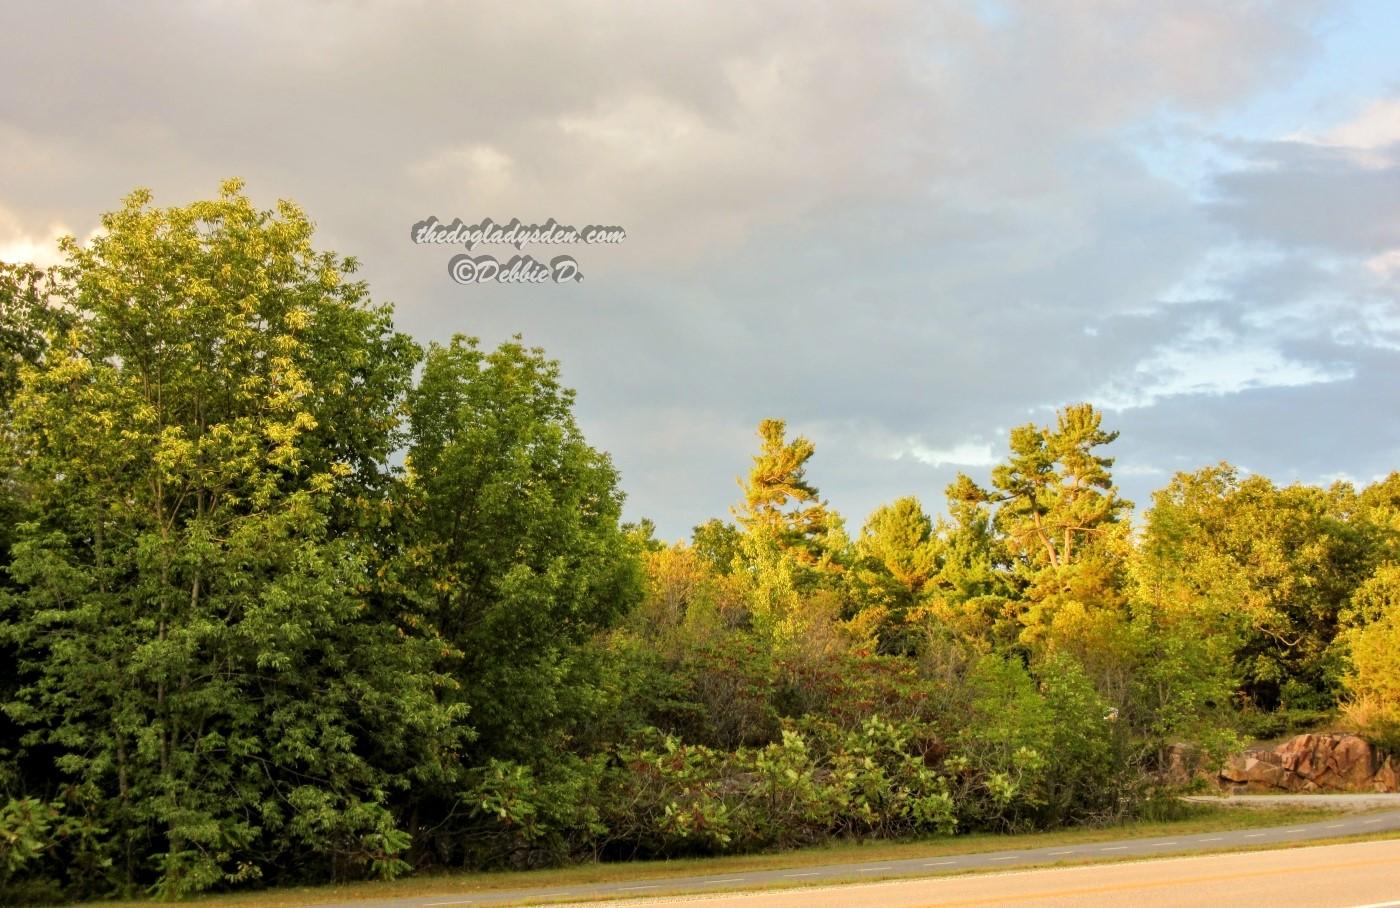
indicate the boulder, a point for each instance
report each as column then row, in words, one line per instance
column 1324, row 762
column 1180, row 763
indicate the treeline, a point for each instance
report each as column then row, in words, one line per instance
column 287, row 598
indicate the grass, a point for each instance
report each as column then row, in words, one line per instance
column 1191, row 819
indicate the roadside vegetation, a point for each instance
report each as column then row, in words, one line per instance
column 287, row 599
column 1185, row 820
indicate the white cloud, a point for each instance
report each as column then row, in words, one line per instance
column 486, row 169
column 962, row 454
column 1386, row 264
column 1375, row 127
column 1137, row 469
column 1212, row 360
column 18, row 244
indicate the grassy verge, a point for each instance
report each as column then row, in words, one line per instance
column 1190, row 819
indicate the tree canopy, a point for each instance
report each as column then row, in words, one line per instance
column 287, row 598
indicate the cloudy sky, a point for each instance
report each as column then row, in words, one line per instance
column 903, row 227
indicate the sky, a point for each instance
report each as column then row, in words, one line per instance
column 903, row 227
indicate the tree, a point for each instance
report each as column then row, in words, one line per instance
column 30, row 316
column 1054, row 492
column 199, row 660
column 792, row 545
column 780, row 507
column 511, row 543
column 972, row 599
column 894, row 566
column 718, row 543
column 1371, row 636
column 1058, row 515
column 1263, row 569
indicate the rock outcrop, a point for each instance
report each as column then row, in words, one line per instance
column 1326, row 762
column 1181, row 763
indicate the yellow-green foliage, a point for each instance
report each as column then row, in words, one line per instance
column 1373, row 682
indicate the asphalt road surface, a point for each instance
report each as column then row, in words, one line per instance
column 921, row 869
column 1324, row 876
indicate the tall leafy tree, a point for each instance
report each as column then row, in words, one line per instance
column 1371, row 635
column 1269, row 569
column 201, row 667
column 31, row 314
column 512, row 545
column 717, row 543
column 30, row 317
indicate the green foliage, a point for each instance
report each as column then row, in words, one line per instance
column 816, row 781
column 1265, row 571
column 193, row 640
column 539, row 815
column 240, row 646
column 30, row 318
column 791, row 539
column 510, row 539
column 718, row 543
column 1054, row 492
column 26, row 833
column 1373, row 643
column 894, row 566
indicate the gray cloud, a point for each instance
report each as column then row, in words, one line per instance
column 904, row 227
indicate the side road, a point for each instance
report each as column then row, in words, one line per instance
column 1331, row 827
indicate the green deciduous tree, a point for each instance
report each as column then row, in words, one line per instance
column 512, row 545
column 1372, row 640
column 197, row 652
column 1267, row 570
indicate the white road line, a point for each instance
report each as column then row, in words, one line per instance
column 1254, row 835
column 1216, row 839
column 939, row 863
column 1377, row 820
column 1291, row 831
column 1335, row 826
column 1163, row 844
column 871, row 869
column 634, row 888
column 1009, row 857
column 1115, row 848
column 728, row 879
column 813, row 873
column 1070, row 851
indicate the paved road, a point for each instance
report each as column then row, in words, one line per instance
column 932, row 866
column 1358, row 875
